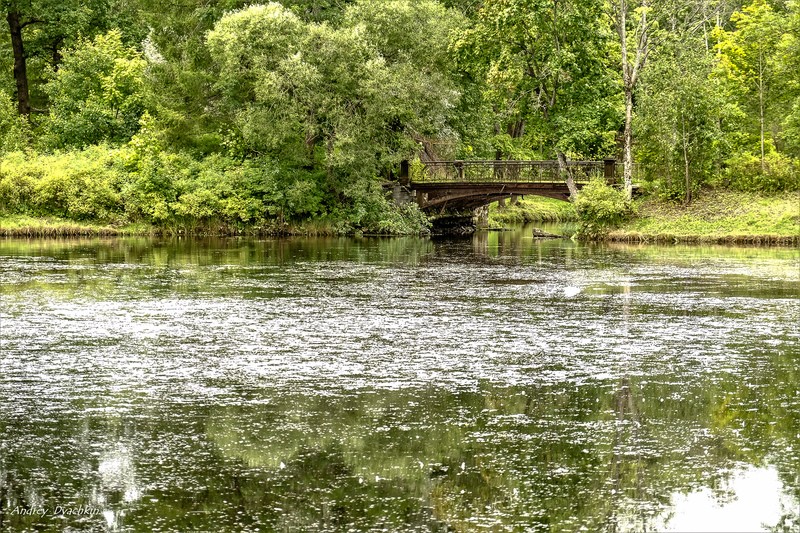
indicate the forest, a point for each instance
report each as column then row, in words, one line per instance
column 223, row 116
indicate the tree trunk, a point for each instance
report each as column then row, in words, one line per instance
column 630, row 75
column 564, row 172
column 761, row 104
column 20, row 69
column 687, row 178
column 627, row 153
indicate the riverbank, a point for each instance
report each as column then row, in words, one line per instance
column 28, row 226
column 716, row 216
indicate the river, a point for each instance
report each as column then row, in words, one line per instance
column 493, row 383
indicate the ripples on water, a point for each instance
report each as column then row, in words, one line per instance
column 495, row 384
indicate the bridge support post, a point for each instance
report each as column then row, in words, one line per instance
column 401, row 195
column 609, row 170
column 404, row 177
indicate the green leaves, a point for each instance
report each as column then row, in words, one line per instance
column 543, row 71
column 349, row 97
column 15, row 131
column 599, row 207
column 749, row 63
column 249, row 41
column 97, row 94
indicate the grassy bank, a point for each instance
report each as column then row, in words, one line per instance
column 532, row 209
column 716, row 216
column 26, row 226
column 29, row 226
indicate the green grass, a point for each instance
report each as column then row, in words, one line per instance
column 716, row 216
column 532, row 209
column 26, row 226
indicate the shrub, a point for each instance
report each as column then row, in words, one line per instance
column 81, row 185
column 18, row 178
column 779, row 173
column 599, row 207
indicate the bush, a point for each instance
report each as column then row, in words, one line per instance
column 600, row 207
column 80, row 185
column 135, row 184
column 18, row 179
column 405, row 220
column 780, row 173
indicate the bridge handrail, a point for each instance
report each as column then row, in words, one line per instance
column 512, row 171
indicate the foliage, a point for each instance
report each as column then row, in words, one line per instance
column 416, row 170
column 52, row 26
column 599, row 207
column 75, row 185
column 788, row 67
column 123, row 186
column 15, row 131
column 97, row 94
column 544, row 76
column 748, row 61
column 678, row 132
column 746, row 172
column 207, row 114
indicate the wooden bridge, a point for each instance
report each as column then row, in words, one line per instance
column 455, row 186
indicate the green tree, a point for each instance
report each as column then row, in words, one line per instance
column 40, row 30
column 544, row 72
column 634, row 48
column 97, row 94
column 747, row 56
column 181, row 78
column 347, row 100
column 14, row 129
column 788, row 68
column 677, row 123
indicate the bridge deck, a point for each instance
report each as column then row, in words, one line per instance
column 460, row 185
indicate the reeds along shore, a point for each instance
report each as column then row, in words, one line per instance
column 763, row 240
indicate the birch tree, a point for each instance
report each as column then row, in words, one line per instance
column 634, row 47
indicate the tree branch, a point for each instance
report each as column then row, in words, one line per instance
column 32, row 21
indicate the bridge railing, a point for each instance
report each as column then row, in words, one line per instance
column 495, row 171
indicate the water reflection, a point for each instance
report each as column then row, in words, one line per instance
column 730, row 507
column 500, row 383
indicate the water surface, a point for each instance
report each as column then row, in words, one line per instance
column 497, row 383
